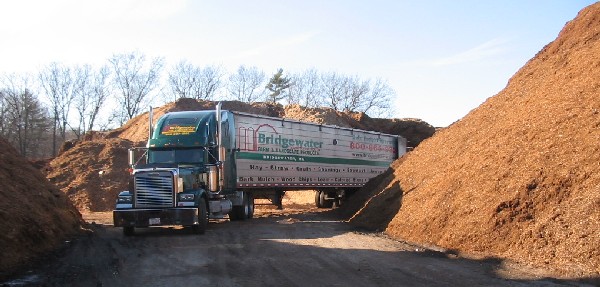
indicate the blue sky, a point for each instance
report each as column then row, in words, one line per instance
column 443, row 58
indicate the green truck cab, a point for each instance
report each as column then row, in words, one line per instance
column 181, row 177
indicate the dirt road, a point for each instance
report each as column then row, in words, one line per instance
column 275, row 249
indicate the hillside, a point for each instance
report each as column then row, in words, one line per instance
column 519, row 176
column 36, row 217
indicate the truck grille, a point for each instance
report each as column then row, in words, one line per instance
column 154, row 189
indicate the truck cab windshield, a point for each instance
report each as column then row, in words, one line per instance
column 176, row 156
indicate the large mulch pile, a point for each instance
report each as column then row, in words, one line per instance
column 36, row 217
column 93, row 171
column 518, row 177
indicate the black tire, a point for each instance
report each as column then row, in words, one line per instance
column 240, row 212
column 250, row 205
column 128, row 230
column 318, row 201
column 202, row 217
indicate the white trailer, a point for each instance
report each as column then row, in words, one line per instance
column 280, row 154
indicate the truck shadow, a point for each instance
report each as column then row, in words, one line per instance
column 329, row 226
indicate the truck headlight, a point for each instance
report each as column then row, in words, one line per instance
column 125, row 199
column 186, row 197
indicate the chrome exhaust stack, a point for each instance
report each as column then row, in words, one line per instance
column 220, row 149
column 150, row 123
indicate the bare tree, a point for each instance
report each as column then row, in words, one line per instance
column 3, row 112
column 184, row 79
column 189, row 81
column 61, row 88
column 336, row 90
column 377, row 100
column 211, row 81
column 357, row 91
column 247, row 84
column 81, row 101
column 99, row 92
column 135, row 79
column 91, row 96
column 25, row 122
column 306, row 89
column 351, row 94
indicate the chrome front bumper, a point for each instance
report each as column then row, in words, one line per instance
column 155, row 217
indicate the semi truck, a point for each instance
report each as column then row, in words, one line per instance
column 201, row 165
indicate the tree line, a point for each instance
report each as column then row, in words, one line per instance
column 38, row 112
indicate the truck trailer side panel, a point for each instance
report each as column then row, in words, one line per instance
column 290, row 154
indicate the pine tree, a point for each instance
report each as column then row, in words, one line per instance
column 277, row 85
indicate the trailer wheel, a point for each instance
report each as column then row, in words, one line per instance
column 322, row 201
column 202, row 217
column 128, row 230
column 318, row 201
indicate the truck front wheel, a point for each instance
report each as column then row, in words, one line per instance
column 202, row 217
column 250, row 199
column 244, row 211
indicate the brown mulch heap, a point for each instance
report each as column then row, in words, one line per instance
column 518, row 177
column 36, row 217
column 93, row 171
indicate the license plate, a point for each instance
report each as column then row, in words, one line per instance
column 154, row 221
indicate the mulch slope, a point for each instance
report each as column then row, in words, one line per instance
column 518, row 177
column 35, row 216
column 92, row 173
